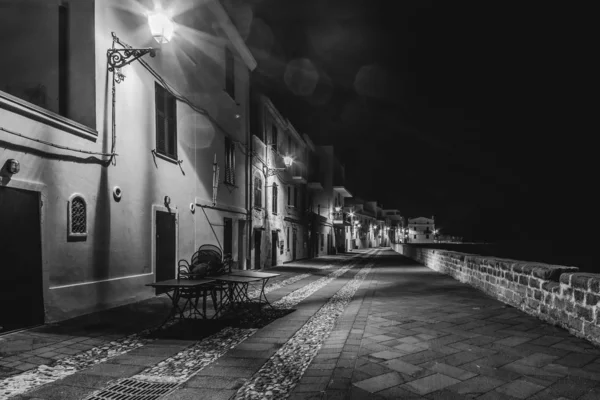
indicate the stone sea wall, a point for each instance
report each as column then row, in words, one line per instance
column 557, row 294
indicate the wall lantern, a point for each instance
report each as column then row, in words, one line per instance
column 162, row 30
column 161, row 26
column 13, row 166
column 288, row 161
column 167, row 201
column 338, row 208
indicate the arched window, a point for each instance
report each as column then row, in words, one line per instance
column 77, row 221
column 275, row 194
column 257, row 192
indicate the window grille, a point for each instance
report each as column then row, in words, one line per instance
column 77, row 221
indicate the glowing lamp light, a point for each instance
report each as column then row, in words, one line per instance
column 351, row 214
column 338, row 208
column 288, row 161
column 161, row 26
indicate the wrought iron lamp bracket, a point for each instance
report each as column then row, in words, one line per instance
column 118, row 58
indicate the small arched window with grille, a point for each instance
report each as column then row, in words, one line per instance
column 77, row 220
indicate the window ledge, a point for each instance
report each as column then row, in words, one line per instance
column 26, row 109
column 165, row 157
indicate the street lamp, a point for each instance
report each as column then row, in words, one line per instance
column 162, row 30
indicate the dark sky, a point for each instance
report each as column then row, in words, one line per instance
column 462, row 110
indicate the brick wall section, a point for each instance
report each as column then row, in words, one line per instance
column 557, row 294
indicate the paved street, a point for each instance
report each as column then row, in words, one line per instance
column 366, row 325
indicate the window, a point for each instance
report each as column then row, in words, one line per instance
column 289, row 196
column 295, row 196
column 322, row 241
column 77, row 217
column 166, row 122
column 229, row 73
column 229, row 161
column 427, row 236
column 287, row 239
column 274, row 198
column 274, row 137
column 52, row 60
column 257, row 192
column 415, row 236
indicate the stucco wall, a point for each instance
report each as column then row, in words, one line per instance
column 115, row 261
column 557, row 294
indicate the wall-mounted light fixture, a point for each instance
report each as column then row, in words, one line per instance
column 167, row 201
column 13, row 166
column 162, row 30
column 287, row 160
column 161, row 26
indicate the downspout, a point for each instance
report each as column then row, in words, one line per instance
column 249, row 152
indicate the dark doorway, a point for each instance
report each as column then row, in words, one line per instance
column 257, row 245
column 228, row 237
column 165, row 247
column 241, row 244
column 329, row 244
column 20, row 238
column 294, row 240
column 274, row 247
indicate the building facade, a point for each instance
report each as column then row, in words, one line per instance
column 121, row 171
column 421, row 230
column 279, row 232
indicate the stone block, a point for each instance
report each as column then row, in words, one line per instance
column 592, row 331
column 544, row 309
column 581, row 280
column 566, row 278
column 595, row 284
column 566, row 291
column 551, row 286
column 534, row 283
column 575, row 323
column 538, row 295
column 548, row 299
column 504, row 266
column 518, row 268
column 579, row 296
column 532, row 303
column 569, row 306
column 523, row 280
column 584, row 313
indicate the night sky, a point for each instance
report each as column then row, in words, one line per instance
column 461, row 110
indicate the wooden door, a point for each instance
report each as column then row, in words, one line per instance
column 21, row 291
column 165, row 247
column 294, row 241
column 257, row 245
column 228, row 237
column 274, row 247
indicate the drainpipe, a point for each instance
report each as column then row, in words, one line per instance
column 249, row 150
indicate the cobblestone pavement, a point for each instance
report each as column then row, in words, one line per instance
column 372, row 325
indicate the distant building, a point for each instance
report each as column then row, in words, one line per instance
column 420, row 230
column 395, row 225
